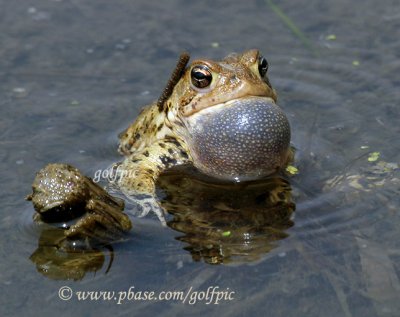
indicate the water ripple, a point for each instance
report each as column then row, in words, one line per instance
column 335, row 108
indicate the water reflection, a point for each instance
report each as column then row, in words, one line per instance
column 60, row 259
column 221, row 223
column 224, row 223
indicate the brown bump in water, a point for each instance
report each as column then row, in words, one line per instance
column 60, row 193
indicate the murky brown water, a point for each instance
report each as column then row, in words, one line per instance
column 74, row 74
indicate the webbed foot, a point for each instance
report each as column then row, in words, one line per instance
column 137, row 184
column 147, row 204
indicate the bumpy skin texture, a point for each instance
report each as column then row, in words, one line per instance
column 243, row 141
column 230, row 129
column 61, row 193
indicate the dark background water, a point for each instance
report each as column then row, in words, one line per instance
column 75, row 73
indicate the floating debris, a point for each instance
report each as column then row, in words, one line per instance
column 374, row 156
column 355, row 63
column 32, row 10
column 330, row 37
column 292, row 170
column 215, row 44
column 20, row 92
column 226, row 233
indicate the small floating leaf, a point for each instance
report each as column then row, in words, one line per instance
column 74, row 103
column 356, row 63
column 226, row 233
column 292, row 170
column 364, row 147
column 330, row 37
column 374, row 156
column 19, row 90
column 215, row 44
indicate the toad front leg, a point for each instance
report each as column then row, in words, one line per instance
column 137, row 174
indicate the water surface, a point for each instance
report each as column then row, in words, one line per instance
column 74, row 74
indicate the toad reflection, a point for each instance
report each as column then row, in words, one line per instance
column 220, row 224
column 224, row 223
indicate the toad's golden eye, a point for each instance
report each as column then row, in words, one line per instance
column 201, row 76
column 262, row 65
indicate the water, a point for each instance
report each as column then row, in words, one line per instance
column 75, row 74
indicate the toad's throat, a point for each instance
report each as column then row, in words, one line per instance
column 243, row 139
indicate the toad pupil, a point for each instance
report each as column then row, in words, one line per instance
column 262, row 66
column 201, row 76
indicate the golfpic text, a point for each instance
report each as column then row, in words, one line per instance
column 212, row 295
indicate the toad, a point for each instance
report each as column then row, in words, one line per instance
column 219, row 116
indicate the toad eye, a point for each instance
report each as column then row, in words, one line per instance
column 201, row 76
column 262, row 66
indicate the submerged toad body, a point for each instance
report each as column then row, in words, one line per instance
column 220, row 116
